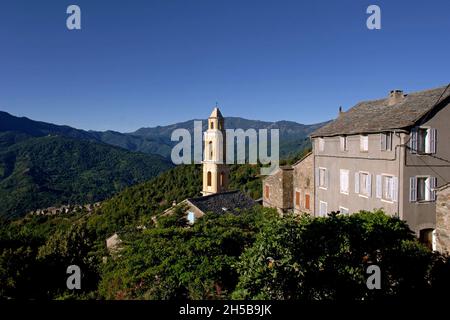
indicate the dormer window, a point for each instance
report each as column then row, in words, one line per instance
column 386, row 141
column 343, row 142
column 364, row 143
column 321, row 144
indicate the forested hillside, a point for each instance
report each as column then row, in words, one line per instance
column 136, row 205
column 38, row 172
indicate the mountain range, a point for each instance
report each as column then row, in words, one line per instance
column 156, row 140
column 43, row 164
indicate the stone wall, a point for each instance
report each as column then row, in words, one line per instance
column 443, row 220
column 280, row 190
column 303, row 181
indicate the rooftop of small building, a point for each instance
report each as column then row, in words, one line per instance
column 225, row 202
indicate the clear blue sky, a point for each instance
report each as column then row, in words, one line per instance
column 148, row 63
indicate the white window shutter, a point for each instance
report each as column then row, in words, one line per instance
column 379, row 186
column 413, row 141
column 317, row 177
column 433, row 137
column 327, row 178
column 412, row 189
column 346, row 181
column 390, row 141
column 383, row 141
column 395, row 189
column 369, row 185
column 356, row 182
column 433, row 184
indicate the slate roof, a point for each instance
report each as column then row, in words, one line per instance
column 377, row 116
column 233, row 201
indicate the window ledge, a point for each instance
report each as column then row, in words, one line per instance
column 424, row 153
column 425, row 201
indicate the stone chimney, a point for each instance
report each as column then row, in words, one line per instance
column 395, row 96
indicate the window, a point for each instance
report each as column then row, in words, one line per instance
column 307, row 200
column 364, row 143
column 363, row 183
column 387, row 187
column 321, row 144
column 210, row 150
column 423, row 140
column 386, row 141
column 191, row 217
column 343, row 142
column 208, row 178
column 323, row 178
column 422, row 189
column 427, row 237
column 323, row 209
column 297, row 198
column 222, row 178
column 344, row 178
column 343, row 210
column 212, row 125
column 266, row 192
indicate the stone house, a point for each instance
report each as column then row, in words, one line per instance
column 303, row 185
column 442, row 234
column 391, row 153
column 291, row 188
column 277, row 189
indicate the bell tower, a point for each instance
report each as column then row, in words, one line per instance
column 215, row 170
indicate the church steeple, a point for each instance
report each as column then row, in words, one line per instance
column 215, row 171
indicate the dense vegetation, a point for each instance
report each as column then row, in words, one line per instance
column 38, row 172
column 137, row 204
column 254, row 255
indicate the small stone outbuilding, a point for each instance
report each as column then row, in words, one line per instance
column 442, row 231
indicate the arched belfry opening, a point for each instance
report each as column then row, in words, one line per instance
column 209, row 179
